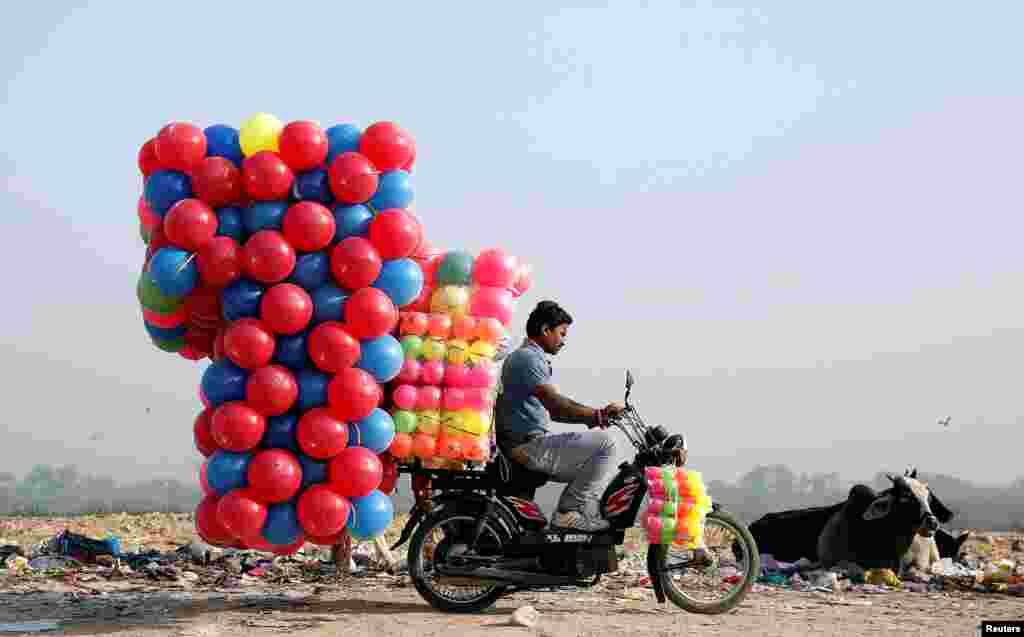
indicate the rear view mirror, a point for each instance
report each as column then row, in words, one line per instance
column 629, row 380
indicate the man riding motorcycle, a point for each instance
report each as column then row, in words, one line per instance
column 528, row 402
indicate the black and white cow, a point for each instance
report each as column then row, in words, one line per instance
column 875, row 530
column 868, row 528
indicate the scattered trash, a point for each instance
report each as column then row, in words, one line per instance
column 882, row 577
column 53, row 562
column 79, row 547
column 526, row 616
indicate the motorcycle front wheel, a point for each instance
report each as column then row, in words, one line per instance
column 720, row 580
column 439, row 539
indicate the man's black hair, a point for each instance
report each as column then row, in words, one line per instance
column 547, row 314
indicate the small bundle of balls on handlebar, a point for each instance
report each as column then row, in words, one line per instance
column 677, row 503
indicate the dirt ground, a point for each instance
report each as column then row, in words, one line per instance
column 350, row 609
column 301, row 602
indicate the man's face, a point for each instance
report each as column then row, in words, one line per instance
column 553, row 339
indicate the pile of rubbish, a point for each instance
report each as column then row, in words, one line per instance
column 1001, row 576
column 196, row 563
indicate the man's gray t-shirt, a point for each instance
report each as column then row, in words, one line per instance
column 518, row 413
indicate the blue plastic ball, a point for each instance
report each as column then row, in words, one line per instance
column 222, row 141
column 229, row 224
column 342, row 138
column 312, row 389
column 313, row 185
column 375, row 432
column 174, row 271
column 291, row 352
column 241, row 299
column 329, row 303
column 223, row 381
column 371, row 515
column 164, row 333
column 393, row 191
column 312, row 270
column 280, row 432
column 264, row 215
column 164, row 188
column 226, row 471
column 313, row 471
column 381, row 357
column 282, row 525
column 401, row 280
column 351, row 221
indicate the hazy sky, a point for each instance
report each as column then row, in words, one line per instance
column 798, row 223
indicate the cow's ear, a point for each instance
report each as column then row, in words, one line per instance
column 942, row 514
column 879, row 508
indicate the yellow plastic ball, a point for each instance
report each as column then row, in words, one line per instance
column 428, row 422
column 450, row 299
column 481, row 351
column 260, row 132
column 458, row 352
column 433, row 349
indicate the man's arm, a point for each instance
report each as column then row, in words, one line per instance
column 564, row 409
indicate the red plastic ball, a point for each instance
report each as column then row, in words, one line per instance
column 387, row 146
column 219, row 262
column 266, row 177
column 331, row 348
column 352, row 178
column 274, row 475
column 190, row 224
column 166, row 321
column 217, row 181
column 355, row 263
column 236, row 426
column 204, row 484
column 322, row 512
column 395, row 233
column 309, row 226
column 401, row 446
column 242, row 513
column 370, row 313
column 203, row 308
column 147, row 217
column 200, row 342
column 202, row 435
column 290, row 549
column 268, row 257
column 327, row 540
column 208, row 524
column 249, row 343
column 407, row 166
column 353, row 394
column 355, row 472
column 495, row 267
column 303, row 145
column 180, row 146
column 321, row 435
column 286, row 308
column 271, row 390
column 149, row 163
column 389, row 473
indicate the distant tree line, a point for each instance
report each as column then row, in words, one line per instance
column 66, row 490
column 765, row 488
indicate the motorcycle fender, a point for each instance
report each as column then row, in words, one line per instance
column 654, row 553
column 477, row 505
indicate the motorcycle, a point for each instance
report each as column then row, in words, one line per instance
column 481, row 537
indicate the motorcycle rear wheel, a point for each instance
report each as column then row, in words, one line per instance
column 673, row 578
column 447, row 530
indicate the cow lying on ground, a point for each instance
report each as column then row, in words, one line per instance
column 872, row 530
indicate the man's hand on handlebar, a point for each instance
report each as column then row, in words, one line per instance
column 605, row 417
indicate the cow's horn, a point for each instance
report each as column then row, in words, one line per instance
column 891, row 477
